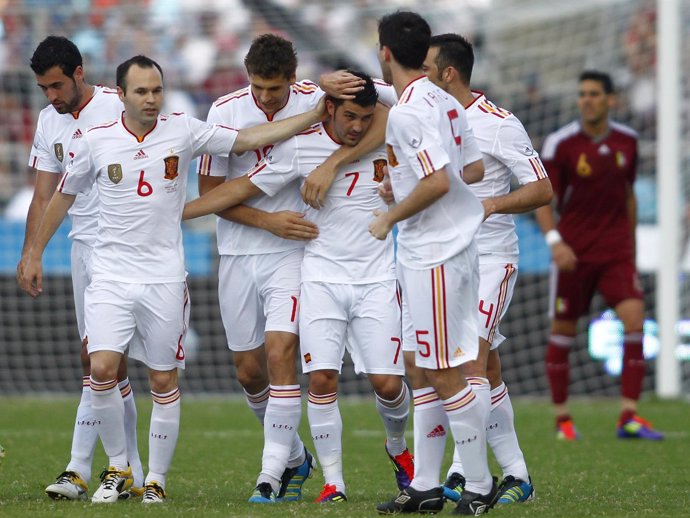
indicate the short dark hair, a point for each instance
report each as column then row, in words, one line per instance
column 56, row 51
column 368, row 96
column 271, row 56
column 141, row 62
column 601, row 77
column 407, row 35
column 454, row 51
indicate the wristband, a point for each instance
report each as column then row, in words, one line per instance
column 552, row 237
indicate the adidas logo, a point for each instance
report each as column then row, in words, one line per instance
column 77, row 134
column 140, row 155
column 439, row 431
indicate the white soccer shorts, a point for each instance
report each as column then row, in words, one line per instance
column 259, row 293
column 81, row 277
column 158, row 314
column 365, row 318
column 440, row 311
column 496, row 286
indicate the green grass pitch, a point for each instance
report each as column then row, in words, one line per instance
column 219, row 452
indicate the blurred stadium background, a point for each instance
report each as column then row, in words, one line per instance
column 529, row 54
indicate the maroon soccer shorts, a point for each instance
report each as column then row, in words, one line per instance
column 572, row 292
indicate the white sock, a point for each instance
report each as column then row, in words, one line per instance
column 394, row 415
column 467, row 422
column 297, row 454
column 481, row 387
column 283, row 414
column 85, row 435
column 258, row 403
column 109, row 412
column 163, row 433
column 131, row 432
column 500, row 434
column 430, row 429
column 326, row 431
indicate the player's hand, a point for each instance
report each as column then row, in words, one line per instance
column 341, row 84
column 31, row 276
column 20, row 269
column 385, row 188
column 291, row 225
column 381, row 226
column 316, row 185
column 564, row 257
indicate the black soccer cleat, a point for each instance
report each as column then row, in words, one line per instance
column 411, row 500
column 474, row 504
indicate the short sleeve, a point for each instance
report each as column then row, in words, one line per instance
column 42, row 158
column 513, row 148
column 80, row 173
column 387, row 95
column 214, row 165
column 278, row 168
column 211, row 139
column 553, row 164
column 419, row 141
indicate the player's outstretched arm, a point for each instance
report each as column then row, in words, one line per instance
column 286, row 224
column 341, row 84
column 226, row 195
column 528, row 197
column 428, row 190
column 272, row 132
column 317, row 184
column 31, row 276
column 44, row 188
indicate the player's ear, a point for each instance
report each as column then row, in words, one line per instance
column 612, row 101
column 121, row 94
column 78, row 74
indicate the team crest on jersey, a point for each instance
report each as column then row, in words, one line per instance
column 379, row 164
column 171, row 163
column 59, row 152
column 392, row 159
column 620, row 159
column 115, row 173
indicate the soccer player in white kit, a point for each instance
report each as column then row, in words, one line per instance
column 506, row 150
column 437, row 217
column 139, row 163
column 75, row 106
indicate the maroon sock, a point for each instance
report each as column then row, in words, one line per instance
column 633, row 366
column 558, row 367
column 626, row 415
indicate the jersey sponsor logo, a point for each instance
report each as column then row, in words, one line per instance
column 140, row 154
column 620, row 159
column 59, row 152
column 458, row 353
column 526, row 150
column 379, row 164
column 583, row 168
column 438, row 431
column 171, row 164
column 115, row 173
column 604, row 149
column 77, row 134
column 392, row 159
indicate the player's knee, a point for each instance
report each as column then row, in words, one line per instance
column 162, row 382
column 323, row 382
column 251, row 370
column 387, row 387
column 564, row 327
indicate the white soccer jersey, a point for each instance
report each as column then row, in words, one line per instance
column 142, row 187
column 240, row 110
column 425, row 133
column 344, row 252
column 506, row 149
column 57, row 135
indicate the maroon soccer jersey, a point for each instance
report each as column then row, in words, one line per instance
column 591, row 178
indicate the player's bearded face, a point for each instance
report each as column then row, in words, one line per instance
column 593, row 102
column 350, row 121
column 143, row 95
column 430, row 67
column 60, row 90
column 271, row 94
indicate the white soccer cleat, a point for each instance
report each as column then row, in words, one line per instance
column 114, row 482
column 68, row 486
column 153, row 493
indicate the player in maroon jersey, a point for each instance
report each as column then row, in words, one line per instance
column 591, row 163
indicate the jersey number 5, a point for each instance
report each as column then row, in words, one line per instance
column 454, row 119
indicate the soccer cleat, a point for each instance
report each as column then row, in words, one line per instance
column 403, row 465
column 514, row 491
column 411, row 500
column 114, row 482
column 68, row 486
column 474, row 504
column 132, row 492
column 293, row 479
column 153, row 493
column 263, row 494
column 330, row 494
column 638, row 428
column 566, row 431
column 453, row 487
